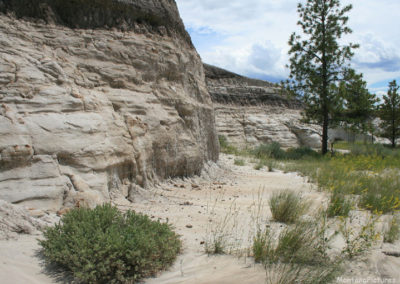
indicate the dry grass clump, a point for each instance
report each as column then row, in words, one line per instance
column 286, row 206
column 298, row 254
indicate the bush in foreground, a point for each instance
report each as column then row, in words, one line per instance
column 103, row 245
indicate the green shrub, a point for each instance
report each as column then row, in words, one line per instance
column 227, row 148
column 263, row 247
column 358, row 240
column 298, row 254
column 239, row 162
column 381, row 193
column 301, row 243
column 339, row 205
column 393, row 233
column 103, row 245
column 259, row 166
column 300, row 153
column 223, row 142
column 217, row 243
column 365, row 149
column 272, row 150
column 271, row 165
column 375, row 179
column 286, row 206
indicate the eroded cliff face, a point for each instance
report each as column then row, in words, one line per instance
column 251, row 112
column 87, row 115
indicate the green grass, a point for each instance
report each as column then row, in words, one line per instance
column 298, row 254
column 225, row 147
column 367, row 177
column 369, row 174
column 393, row 234
column 103, row 245
column 239, row 162
column 374, row 178
column 269, row 163
column 358, row 240
column 339, row 205
column 258, row 166
column 272, row 150
column 286, row 206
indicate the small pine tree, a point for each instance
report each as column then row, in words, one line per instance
column 359, row 104
column 389, row 113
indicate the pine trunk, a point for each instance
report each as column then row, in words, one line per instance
column 325, row 134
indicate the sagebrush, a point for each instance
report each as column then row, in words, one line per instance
column 104, row 245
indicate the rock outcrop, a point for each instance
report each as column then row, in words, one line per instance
column 15, row 220
column 251, row 112
column 91, row 108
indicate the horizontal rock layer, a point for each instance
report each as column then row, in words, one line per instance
column 89, row 115
column 250, row 126
column 251, row 112
column 229, row 88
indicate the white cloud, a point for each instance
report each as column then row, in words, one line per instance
column 376, row 54
column 264, row 56
column 250, row 37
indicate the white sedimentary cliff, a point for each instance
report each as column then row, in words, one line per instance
column 88, row 114
column 251, row 112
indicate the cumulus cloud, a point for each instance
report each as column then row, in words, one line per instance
column 250, row 37
column 260, row 60
column 375, row 54
column 264, row 57
column 230, row 16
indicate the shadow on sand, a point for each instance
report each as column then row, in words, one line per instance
column 55, row 271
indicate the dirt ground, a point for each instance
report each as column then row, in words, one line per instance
column 228, row 201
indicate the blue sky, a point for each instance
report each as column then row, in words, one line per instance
column 250, row 37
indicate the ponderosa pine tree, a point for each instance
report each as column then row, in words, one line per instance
column 359, row 104
column 389, row 113
column 318, row 61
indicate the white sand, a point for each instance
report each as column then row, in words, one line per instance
column 196, row 207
